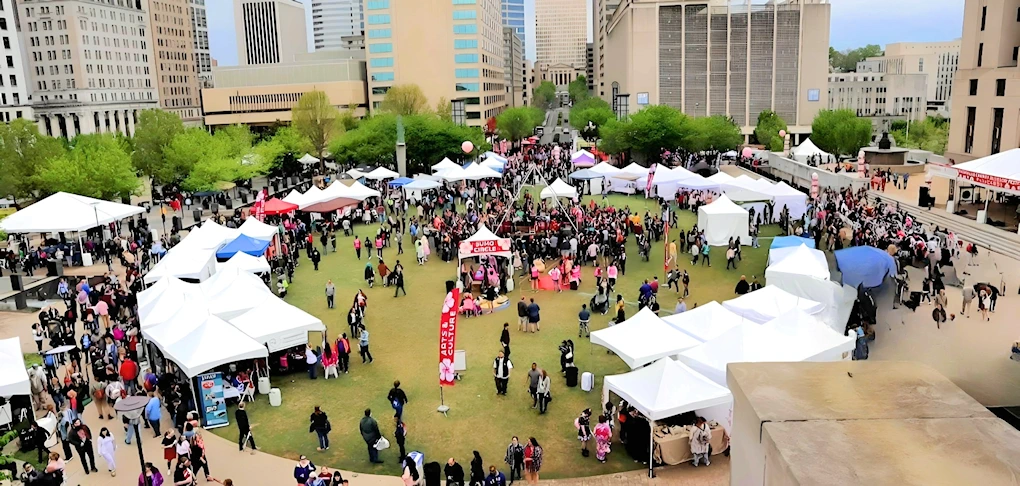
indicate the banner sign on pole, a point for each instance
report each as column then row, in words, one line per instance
column 213, row 410
column 666, row 256
column 448, row 337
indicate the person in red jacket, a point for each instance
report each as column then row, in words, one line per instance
column 129, row 374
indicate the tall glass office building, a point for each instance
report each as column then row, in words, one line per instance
column 513, row 17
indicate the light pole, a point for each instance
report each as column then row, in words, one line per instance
column 132, row 408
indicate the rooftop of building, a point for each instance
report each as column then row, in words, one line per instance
column 321, row 66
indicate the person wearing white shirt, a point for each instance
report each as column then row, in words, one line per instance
column 311, row 359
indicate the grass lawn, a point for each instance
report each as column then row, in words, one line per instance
column 404, row 336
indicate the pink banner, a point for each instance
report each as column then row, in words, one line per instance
column 448, row 337
column 989, row 180
column 651, row 175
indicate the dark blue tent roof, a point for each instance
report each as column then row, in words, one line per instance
column 243, row 244
column 400, row 181
column 864, row 265
column 788, row 241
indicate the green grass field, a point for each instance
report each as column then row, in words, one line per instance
column 404, row 335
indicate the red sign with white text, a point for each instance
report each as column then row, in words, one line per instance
column 448, row 337
column 483, row 247
column 989, row 180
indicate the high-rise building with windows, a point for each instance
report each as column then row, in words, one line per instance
column 718, row 57
column 200, row 35
column 513, row 65
column 91, row 64
column 333, row 20
column 173, row 49
column 451, row 49
column 986, row 90
column 602, row 11
column 269, row 31
column 14, row 88
column 937, row 61
column 561, row 36
column 513, row 17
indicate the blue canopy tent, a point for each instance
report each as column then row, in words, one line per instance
column 791, row 241
column 400, row 181
column 586, row 174
column 864, row 265
column 243, row 244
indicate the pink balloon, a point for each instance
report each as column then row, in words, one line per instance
column 782, row 134
column 746, row 152
column 467, row 147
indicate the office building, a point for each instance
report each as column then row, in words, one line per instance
column 269, row 31
column 91, row 65
column 561, row 39
column 986, row 89
column 262, row 95
column 200, row 34
column 451, row 49
column 589, row 66
column 513, row 65
column 602, row 12
column 14, row 86
column 528, row 84
column 938, row 61
column 881, row 97
column 513, row 17
column 719, row 57
column 173, row 47
column 333, row 20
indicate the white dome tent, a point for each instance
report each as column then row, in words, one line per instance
column 559, row 189
column 643, row 339
column 806, row 150
column 722, row 220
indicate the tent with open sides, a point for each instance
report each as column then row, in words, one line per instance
column 13, row 374
column 494, row 156
column 642, row 339
column 582, row 158
column 559, row 189
column 174, row 296
column 722, row 220
column 381, row 173
column 791, row 241
column 254, row 228
column 274, row 206
column 197, row 345
column 770, row 302
column 474, row 172
column 400, row 182
column 483, row 243
column 308, row 159
column 334, row 197
column 243, row 244
column 446, row 163
column 706, row 322
column 864, row 265
column 295, row 197
column 67, row 212
column 606, row 169
column 360, row 192
column 245, row 262
column 421, row 185
column 806, row 150
column 277, row 324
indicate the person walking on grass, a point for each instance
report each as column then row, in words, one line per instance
column 501, row 367
column 515, row 459
column 544, row 392
column 369, row 429
column 319, row 423
column 534, row 317
column 534, row 375
column 243, row 429
column 330, row 293
column 357, row 246
column 363, row 344
column 398, row 282
column 397, row 399
column 522, row 315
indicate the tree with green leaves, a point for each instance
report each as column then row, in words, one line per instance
column 405, row 99
column 444, row 109
column 658, row 128
column 616, row 136
column 23, row 150
column 317, row 120
column 96, row 166
column 845, row 61
column 578, row 89
column 155, row 130
column 227, row 156
column 594, row 112
column 544, row 95
column 767, row 130
column 931, row 134
column 716, row 133
column 840, row 132
column 515, row 124
column 4, row 458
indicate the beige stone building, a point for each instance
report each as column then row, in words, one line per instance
column 986, row 89
column 173, row 46
column 264, row 94
column 716, row 57
column 602, row 12
column 14, row 93
column 880, row 96
column 451, row 49
column 200, row 32
column 91, row 64
column 561, row 39
column 938, row 61
column 269, row 31
column 513, row 67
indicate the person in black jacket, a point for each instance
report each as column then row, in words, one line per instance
column 320, row 425
column 397, row 399
column 369, row 429
column 477, row 470
column 39, row 436
column 454, row 473
column 243, row 428
column 400, row 435
column 81, row 438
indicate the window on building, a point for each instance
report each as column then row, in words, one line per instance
column 1016, row 50
column 973, row 87
column 3, row 24
column 384, row 76
column 1000, row 87
column 379, row 33
column 380, row 48
column 968, row 142
column 465, row 29
column 465, row 43
column 378, row 19
column 381, row 62
column 465, row 2
column 7, row 42
column 920, row 65
column 10, row 61
column 377, row 4
column 996, row 130
column 467, row 87
column 464, row 14
column 981, row 53
column 465, row 58
column 465, row 73
column 984, row 15
column 380, row 90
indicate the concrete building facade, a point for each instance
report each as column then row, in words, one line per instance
column 718, row 57
column 561, row 39
column 938, row 61
column 589, row 66
column 265, row 94
column 269, row 31
column 91, row 64
column 986, row 88
column 513, row 62
column 513, row 17
column 173, row 44
column 14, row 85
column 451, row 49
column 332, row 20
column 200, row 34
column 880, row 97
column 602, row 12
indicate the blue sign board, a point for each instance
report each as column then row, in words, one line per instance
column 213, row 407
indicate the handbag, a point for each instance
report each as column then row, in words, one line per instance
column 381, row 444
column 548, row 397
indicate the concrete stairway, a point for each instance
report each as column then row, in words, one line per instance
column 994, row 239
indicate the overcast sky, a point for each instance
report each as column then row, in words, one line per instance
column 854, row 23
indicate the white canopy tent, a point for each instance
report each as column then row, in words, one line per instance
column 246, row 263
column 295, row 197
column 452, row 174
column 231, row 292
column 211, row 235
column 706, row 322
column 421, row 185
column 474, row 172
column 697, row 183
column 606, row 169
column 806, row 150
column 355, row 173
column 258, row 230
column 13, row 374
column 150, row 294
column 484, row 242
column 808, row 333
column 784, row 195
column 277, row 324
column 631, row 172
column 722, row 220
column 446, row 163
column 177, row 299
column 200, row 344
column 381, row 173
column 777, row 255
column 308, row 159
column 745, row 190
column 311, row 196
column 998, row 172
column 800, row 269
column 66, row 212
column 720, row 177
column 493, row 155
column 745, row 343
column 360, row 192
column 642, row 339
column 184, row 262
column 770, row 302
column 559, row 189
column 494, row 163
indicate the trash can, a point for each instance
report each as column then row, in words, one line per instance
column 54, row 268
column 264, row 386
column 275, row 399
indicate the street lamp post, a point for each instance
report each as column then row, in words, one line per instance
column 132, row 407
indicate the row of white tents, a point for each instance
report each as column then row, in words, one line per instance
column 194, row 258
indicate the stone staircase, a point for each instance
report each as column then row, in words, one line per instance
column 986, row 236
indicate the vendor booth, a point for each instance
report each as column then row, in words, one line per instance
column 559, row 189
column 642, row 339
column 176, row 299
column 334, row 197
column 446, row 163
column 798, row 270
column 258, row 230
column 791, row 241
column 277, row 324
column 785, row 196
column 67, row 212
column 606, row 169
column 582, row 158
column 770, row 302
column 722, row 220
column 243, row 244
column 864, row 266
column 808, row 332
column 705, row 322
column 274, row 206
column 245, row 263
column 667, row 389
column 192, row 263
column 806, row 150
column 13, row 373
column 381, row 173
column 474, row 172
column 209, row 236
column 295, row 197
column 421, row 185
column 997, row 172
column 232, row 292
column 358, row 191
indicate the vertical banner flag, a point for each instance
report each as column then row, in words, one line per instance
column 214, row 405
column 448, row 337
column 651, row 175
column 260, row 205
column 665, row 244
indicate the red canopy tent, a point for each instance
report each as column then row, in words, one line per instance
column 276, row 206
